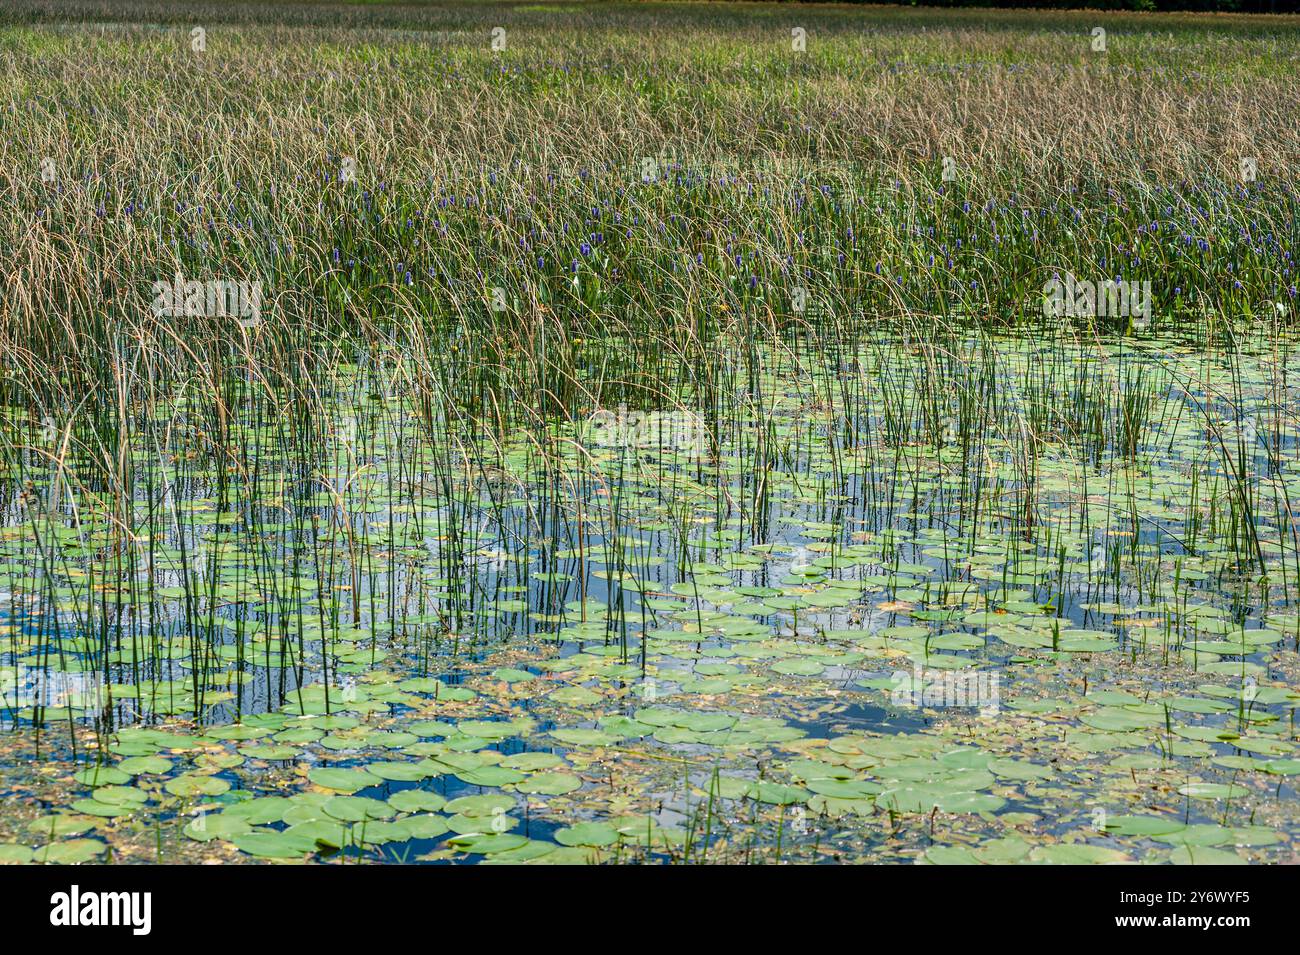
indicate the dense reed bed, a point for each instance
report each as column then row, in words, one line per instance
column 648, row 428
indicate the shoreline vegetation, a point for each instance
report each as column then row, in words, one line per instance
column 598, row 433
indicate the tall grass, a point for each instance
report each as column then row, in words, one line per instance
column 384, row 354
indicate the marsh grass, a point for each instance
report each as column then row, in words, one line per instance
column 399, row 448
